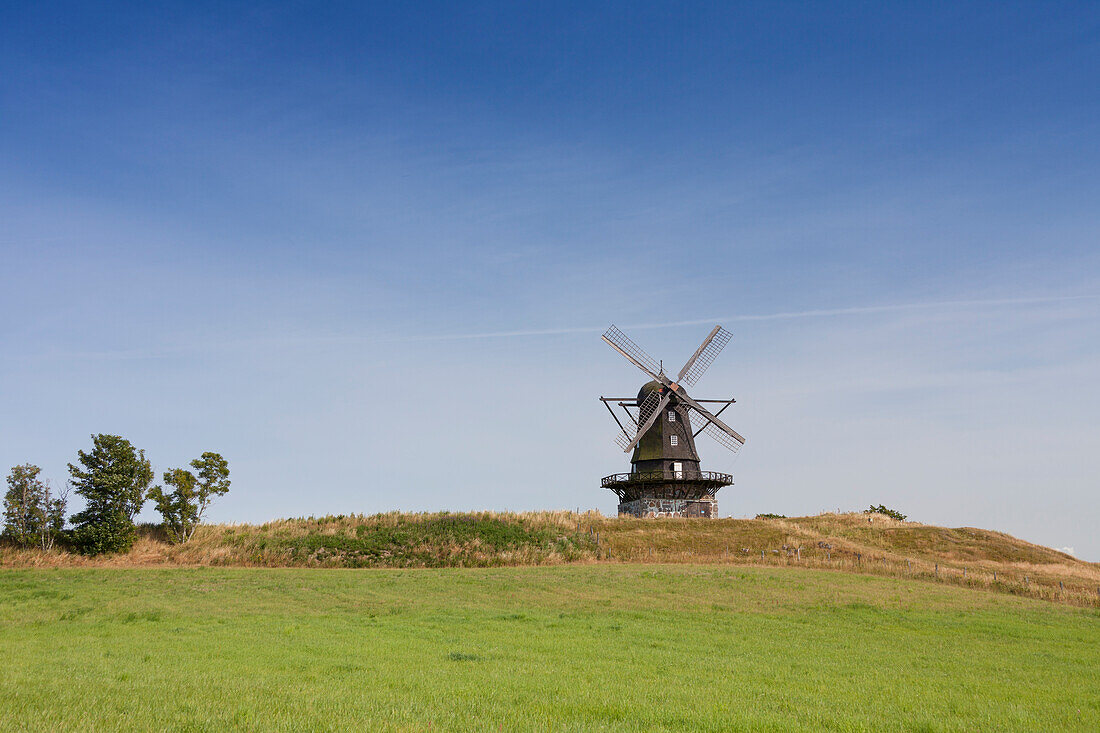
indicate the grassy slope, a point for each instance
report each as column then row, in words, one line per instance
column 842, row 541
column 596, row 647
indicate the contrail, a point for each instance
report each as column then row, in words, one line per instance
column 170, row 350
column 779, row 316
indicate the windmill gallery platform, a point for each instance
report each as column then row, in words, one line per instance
column 665, row 479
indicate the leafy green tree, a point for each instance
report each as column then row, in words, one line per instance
column 32, row 514
column 114, row 480
column 24, row 496
column 183, row 508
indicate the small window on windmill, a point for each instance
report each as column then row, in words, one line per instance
column 672, row 415
column 674, row 440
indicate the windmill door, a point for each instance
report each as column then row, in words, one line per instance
column 677, row 470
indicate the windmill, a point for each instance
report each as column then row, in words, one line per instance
column 661, row 426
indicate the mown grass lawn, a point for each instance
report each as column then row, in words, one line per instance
column 600, row 647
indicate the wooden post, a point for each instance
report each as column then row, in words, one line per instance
column 994, row 576
column 800, row 554
column 909, row 565
column 937, row 570
column 964, row 572
column 859, row 559
column 1061, row 588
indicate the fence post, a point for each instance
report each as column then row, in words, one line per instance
column 937, row 570
column 761, row 554
column 994, row 576
column 828, row 555
column 800, row 554
column 1061, row 588
column 964, row 572
column 909, row 565
column 859, row 559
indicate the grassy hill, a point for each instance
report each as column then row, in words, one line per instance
column 870, row 544
column 597, row 647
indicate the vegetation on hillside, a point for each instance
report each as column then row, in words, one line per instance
column 966, row 556
column 34, row 516
column 115, row 480
column 885, row 511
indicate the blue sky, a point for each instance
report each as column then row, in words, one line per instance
column 367, row 252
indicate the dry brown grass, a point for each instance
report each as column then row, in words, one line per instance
column 848, row 542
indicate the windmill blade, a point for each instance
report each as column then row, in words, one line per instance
column 704, row 356
column 628, row 434
column 713, row 420
column 618, row 340
column 650, row 411
column 716, row 434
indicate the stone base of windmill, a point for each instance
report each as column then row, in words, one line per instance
column 706, row 507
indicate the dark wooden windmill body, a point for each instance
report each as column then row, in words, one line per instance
column 661, row 426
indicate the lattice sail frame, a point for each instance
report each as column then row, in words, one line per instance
column 716, row 434
column 644, row 412
column 622, row 341
column 707, row 356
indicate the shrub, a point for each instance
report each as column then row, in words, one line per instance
column 882, row 509
column 108, row 531
column 771, row 516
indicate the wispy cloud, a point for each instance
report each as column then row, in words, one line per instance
column 778, row 316
column 299, row 339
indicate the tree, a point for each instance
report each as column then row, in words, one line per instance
column 183, row 508
column 32, row 515
column 53, row 525
column 114, row 481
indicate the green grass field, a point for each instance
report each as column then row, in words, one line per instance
column 597, row 647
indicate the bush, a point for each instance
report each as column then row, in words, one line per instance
column 771, row 516
column 882, row 509
column 108, row 532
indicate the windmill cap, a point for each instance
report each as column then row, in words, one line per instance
column 647, row 389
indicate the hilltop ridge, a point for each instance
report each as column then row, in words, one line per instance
column 853, row 542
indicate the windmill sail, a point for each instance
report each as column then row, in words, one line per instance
column 652, row 403
column 732, row 442
column 704, row 356
column 621, row 343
